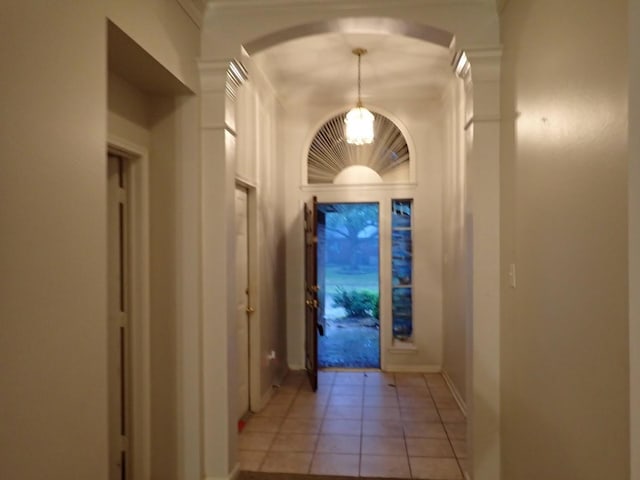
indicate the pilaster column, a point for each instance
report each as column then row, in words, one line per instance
column 482, row 85
column 219, row 82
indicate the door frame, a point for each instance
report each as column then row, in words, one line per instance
column 380, row 195
column 139, row 293
column 256, row 402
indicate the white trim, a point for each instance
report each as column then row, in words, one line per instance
column 373, row 187
column 455, row 392
column 413, row 368
column 402, row 348
column 138, row 193
column 235, row 474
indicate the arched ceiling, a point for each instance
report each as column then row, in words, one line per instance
column 323, row 67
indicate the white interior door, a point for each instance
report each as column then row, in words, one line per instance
column 242, row 299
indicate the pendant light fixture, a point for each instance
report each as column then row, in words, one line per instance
column 359, row 120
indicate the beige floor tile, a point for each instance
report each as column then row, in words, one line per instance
column 460, row 448
column 294, row 442
column 380, row 391
column 429, row 447
column 446, row 402
column 282, row 398
column 338, row 444
column 349, row 378
column 424, row 430
column 435, row 468
column 346, row 400
column 443, row 398
column 341, row 427
column 416, row 402
column 451, row 415
column 317, row 397
column 263, row 424
column 414, row 390
column 255, row 441
column 326, row 378
column 273, row 411
column 419, row 414
column 335, row 464
column 308, row 402
column 381, row 401
column 383, row 428
column 305, row 387
column 306, row 411
column 410, row 380
column 353, row 390
column 434, row 379
column 383, row 446
column 250, row 460
column 301, row 425
column 391, row 466
column 464, row 465
column 379, row 378
column 282, row 462
column 456, row 431
column 340, row 411
column 381, row 413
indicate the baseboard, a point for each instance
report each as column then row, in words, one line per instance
column 455, row 392
column 413, row 368
column 234, row 475
column 264, row 400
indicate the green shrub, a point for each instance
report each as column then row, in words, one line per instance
column 357, row 303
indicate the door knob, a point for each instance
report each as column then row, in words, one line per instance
column 250, row 310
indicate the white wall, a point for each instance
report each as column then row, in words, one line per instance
column 53, row 218
column 53, row 308
column 564, row 336
column 454, row 245
column 423, row 123
column 259, row 165
column 164, row 30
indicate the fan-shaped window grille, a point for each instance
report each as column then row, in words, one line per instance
column 330, row 153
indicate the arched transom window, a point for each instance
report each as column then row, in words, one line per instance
column 332, row 160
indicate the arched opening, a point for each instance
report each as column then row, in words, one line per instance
column 293, row 86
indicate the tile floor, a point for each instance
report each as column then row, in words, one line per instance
column 402, row 425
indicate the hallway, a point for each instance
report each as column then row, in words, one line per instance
column 370, row 424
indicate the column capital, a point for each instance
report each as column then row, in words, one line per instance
column 223, row 74
column 485, row 63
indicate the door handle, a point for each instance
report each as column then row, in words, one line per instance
column 250, row 310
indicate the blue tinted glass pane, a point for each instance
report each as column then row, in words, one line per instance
column 401, row 257
column 401, row 213
column 402, row 313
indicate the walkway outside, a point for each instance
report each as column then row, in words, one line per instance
column 373, row 424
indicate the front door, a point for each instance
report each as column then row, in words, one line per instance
column 311, row 291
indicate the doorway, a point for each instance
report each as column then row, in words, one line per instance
column 243, row 309
column 349, row 281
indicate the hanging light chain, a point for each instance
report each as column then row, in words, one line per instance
column 359, row 52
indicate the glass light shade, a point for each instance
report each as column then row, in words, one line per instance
column 359, row 126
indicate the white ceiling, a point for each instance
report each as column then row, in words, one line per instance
column 323, row 67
